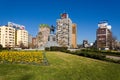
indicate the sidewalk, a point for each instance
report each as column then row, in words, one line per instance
column 113, row 57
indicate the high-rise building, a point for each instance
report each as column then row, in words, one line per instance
column 21, row 35
column 13, row 35
column 104, row 36
column 66, row 32
column 42, row 37
column 34, row 42
column 22, row 38
column 7, row 36
column 74, row 36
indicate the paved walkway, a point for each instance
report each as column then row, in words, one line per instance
column 113, row 57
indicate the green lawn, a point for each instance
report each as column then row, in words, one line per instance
column 62, row 66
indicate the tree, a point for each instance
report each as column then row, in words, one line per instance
column 21, row 45
column 8, row 46
column 1, row 47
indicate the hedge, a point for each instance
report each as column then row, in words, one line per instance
column 55, row 48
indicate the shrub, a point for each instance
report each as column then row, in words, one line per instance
column 1, row 47
column 91, row 54
column 88, row 54
column 47, row 49
column 111, row 53
column 103, row 52
column 55, row 48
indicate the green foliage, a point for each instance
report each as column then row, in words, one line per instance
column 93, row 54
column 90, row 50
column 111, row 53
column 44, row 25
column 47, row 49
column 55, row 48
column 1, row 47
column 90, row 55
column 108, row 52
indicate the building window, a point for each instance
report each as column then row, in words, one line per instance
column 101, row 38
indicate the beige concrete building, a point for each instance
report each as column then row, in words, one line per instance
column 13, row 35
column 7, row 36
column 22, row 37
column 66, row 32
column 42, row 37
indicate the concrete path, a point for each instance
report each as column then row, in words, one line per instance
column 113, row 57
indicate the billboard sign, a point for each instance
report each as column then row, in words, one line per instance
column 16, row 26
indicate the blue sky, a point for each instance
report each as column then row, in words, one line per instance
column 85, row 13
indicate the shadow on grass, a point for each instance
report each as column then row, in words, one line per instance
column 27, row 77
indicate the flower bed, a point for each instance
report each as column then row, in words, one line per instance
column 22, row 57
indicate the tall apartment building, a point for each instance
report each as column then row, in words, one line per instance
column 66, row 31
column 42, row 37
column 22, row 37
column 7, row 36
column 104, row 36
column 74, row 36
column 13, row 35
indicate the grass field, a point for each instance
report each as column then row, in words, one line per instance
column 62, row 67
